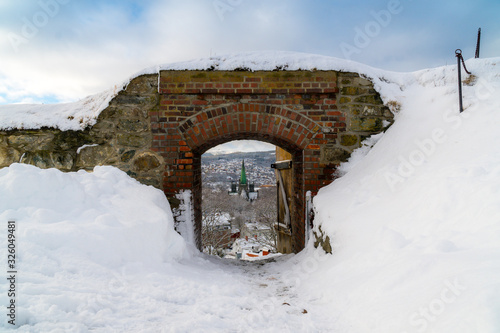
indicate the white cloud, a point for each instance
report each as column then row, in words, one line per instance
column 242, row 146
column 77, row 54
column 91, row 46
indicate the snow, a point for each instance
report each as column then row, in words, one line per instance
column 414, row 225
column 185, row 217
column 76, row 233
column 251, row 246
column 79, row 150
column 65, row 116
column 97, row 252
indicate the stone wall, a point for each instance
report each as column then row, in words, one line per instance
column 121, row 137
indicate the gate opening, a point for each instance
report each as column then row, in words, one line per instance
column 238, row 205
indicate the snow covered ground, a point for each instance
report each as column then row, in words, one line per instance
column 414, row 223
column 96, row 252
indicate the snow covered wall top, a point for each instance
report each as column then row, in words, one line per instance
column 83, row 113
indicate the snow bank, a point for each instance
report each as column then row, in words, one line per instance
column 65, row 116
column 75, row 232
column 96, row 252
column 415, row 223
column 81, row 114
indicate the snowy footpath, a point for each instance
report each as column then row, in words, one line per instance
column 96, row 252
column 414, row 223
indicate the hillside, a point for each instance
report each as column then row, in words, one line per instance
column 222, row 168
column 415, row 221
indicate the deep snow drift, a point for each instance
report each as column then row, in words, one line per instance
column 97, row 252
column 414, row 223
column 74, row 233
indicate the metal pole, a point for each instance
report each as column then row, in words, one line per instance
column 478, row 42
column 458, row 54
column 308, row 214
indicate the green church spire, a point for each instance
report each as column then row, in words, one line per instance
column 243, row 176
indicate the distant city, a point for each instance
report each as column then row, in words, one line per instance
column 221, row 169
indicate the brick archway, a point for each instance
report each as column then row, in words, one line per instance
column 281, row 126
column 317, row 116
column 276, row 125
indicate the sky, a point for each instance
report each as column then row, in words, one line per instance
column 63, row 50
column 54, row 51
column 243, row 146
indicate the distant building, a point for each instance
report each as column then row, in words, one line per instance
column 243, row 178
column 244, row 188
column 234, row 189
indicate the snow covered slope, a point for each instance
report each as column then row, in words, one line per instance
column 415, row 224
column 97, row 252
column 75, row 232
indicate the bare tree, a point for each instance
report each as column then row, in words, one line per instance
column 216, row 235
column 238, row 222
column 266, row 214
column 216, row 204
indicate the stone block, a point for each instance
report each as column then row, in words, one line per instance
column 127, row 156
column 63, row 160
column 103, row 128
column 132, row 125
column 356, row 109
column 344, row 100
column 353, row 91
column 369, row 99
column 348, row 140
column 71, row 140
column 144, row 84
column 152, row 181
column 95, row 155
column 362, row 82
column 131, row 173
column 131, row 140
column 372, row 111
column 123, row 98
column 323, row 240
column 366, row 124
column 8, row 156
column 31, row 141
column 146, row 162
column 47, row 159
column 333, row 155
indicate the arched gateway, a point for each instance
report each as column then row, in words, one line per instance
column 157, row 128
column 317, row 116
